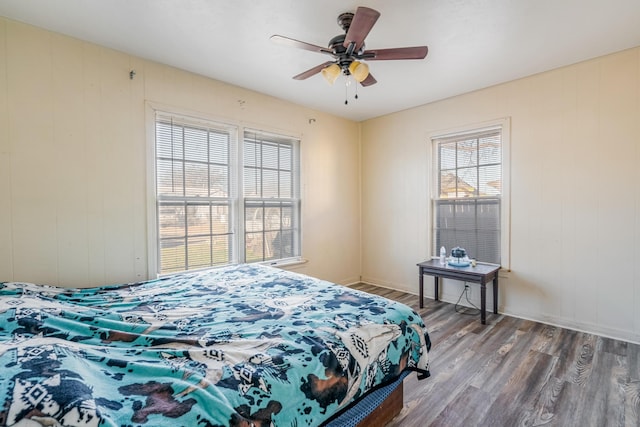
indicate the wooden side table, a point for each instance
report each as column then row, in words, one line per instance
column 481, row 274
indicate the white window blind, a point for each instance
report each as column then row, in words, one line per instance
column 271, row 192
column 468, row 195
column 195, row 190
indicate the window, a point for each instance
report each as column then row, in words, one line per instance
column 195, row 189
column 271, row 197
column 203, row 218
column 468, row 202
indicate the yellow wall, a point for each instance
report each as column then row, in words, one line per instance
column 73, row 162
column 575, row 193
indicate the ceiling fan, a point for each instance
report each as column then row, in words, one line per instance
column 348, row 49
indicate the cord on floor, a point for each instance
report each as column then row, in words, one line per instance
column 463, row 309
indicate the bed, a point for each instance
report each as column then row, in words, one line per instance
column 245, row 345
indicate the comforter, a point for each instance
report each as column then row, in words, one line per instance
column 235, row 346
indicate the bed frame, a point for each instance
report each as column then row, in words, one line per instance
column 387, row 410
column 375, row 409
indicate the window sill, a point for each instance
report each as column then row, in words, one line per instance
column 289, row 262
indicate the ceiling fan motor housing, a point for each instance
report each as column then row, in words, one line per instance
column 340, row 53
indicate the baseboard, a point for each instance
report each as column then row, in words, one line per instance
column 588, row 328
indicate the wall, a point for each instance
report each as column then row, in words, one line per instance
column 575, row 198
column 73, row 166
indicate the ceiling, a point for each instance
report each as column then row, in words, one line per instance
column 472, row 43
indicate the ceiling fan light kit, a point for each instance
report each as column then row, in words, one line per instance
column 359, row 71
column 348, row 49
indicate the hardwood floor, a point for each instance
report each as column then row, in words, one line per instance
column 514, row 372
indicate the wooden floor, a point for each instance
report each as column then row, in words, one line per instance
column 514, row 372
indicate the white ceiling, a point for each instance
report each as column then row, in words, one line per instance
column 472, row 43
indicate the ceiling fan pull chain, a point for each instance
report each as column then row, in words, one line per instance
column 346, row 91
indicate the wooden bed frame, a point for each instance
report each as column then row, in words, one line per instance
column 387, row 410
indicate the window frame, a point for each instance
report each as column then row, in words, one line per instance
column 504, row 125
column 152, row 110
column 294, row 201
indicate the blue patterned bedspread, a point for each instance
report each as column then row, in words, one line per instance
column 245, row 345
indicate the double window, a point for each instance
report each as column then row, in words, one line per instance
column 468, row 198
column 204, row 218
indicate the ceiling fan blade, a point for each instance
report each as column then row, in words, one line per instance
column 287, row 41
column 312, row 71
column 362, row 22
column 417, row 52
column 370, row 80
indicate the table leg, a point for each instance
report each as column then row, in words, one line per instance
column 436, row 286
column 421, row 291
column 483, row 303
column 495, row 294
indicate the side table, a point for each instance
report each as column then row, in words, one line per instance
column 481, row 274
